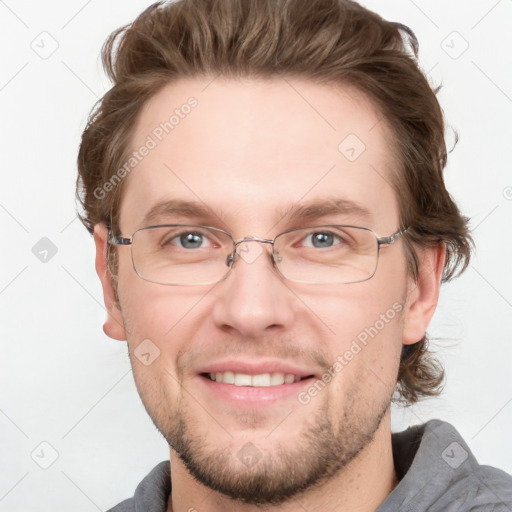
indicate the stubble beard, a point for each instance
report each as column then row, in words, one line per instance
column 320, row 452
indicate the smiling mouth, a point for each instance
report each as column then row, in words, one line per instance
column 259, row 380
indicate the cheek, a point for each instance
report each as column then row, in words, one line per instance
column 167, row 316
column 365, row 362
column 160, row 323
column 359, row 310
column 365, row 335
column 369, row 339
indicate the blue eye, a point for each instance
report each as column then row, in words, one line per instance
column 192, row 240
column 321, row 240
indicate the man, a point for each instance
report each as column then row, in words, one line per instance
column 264, row 184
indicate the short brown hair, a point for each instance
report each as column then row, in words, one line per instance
column 326, row 41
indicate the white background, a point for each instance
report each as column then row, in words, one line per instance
column 65, row 383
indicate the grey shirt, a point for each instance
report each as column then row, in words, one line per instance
column 436, row 469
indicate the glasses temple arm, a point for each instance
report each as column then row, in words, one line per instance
column 118, row 240
column 388, row 240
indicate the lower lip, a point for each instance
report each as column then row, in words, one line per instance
column 254, row 396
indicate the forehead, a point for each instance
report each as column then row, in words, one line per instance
column 251, row 150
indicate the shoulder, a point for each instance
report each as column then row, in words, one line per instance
column 439, row 473
column 490, row 489
column 479, row 488
column 125, row 506
column 151, row 494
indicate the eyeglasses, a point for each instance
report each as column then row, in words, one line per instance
column 182, row 254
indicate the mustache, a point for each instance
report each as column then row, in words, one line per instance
column 271, row 348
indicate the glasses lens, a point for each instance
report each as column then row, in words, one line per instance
column 327, row 254
column 181, row 254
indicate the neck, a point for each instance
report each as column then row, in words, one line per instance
column 361, row 486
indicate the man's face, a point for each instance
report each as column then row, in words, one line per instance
column 251, row 152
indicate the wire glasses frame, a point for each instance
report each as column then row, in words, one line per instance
column 158, row 254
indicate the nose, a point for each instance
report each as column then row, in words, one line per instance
column 253, row 300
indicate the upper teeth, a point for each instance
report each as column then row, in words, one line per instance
column 262, row 379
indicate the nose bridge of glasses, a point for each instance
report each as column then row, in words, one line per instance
column 249, row 252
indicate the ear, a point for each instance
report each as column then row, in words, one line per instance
column 114, row 325
column 423, row 294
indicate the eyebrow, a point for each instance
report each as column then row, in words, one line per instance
column 178, row 208
column 305, row 212
column 330, row 206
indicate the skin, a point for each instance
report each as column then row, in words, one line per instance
column 250, row 150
